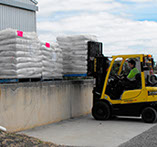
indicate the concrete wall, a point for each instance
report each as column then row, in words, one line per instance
column 27, row 105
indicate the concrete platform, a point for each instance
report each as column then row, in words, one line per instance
column 28, row 105
column 86, row 131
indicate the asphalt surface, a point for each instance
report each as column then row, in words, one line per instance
column 146, row 139
column 86, row 131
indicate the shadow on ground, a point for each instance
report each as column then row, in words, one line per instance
column 123, row 119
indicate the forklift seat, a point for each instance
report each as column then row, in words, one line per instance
column 138, row 77
column 135, row 84
column 138, row 81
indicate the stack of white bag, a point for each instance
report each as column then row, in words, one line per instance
column 20, row 54
column 57, row 57
column 75, row 50
column 52, row 62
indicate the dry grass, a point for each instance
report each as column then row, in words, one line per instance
column 21, row 140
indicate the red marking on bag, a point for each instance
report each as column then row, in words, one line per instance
column 47, row 44
column 20, row 33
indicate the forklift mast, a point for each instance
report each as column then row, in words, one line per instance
column 97, row 67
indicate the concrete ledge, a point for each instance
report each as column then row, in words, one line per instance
column 27, row 105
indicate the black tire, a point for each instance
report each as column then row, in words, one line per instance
column 149, row 115
column 101, row 111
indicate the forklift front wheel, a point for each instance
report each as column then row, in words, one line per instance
column 101, row 111
column 149, row 115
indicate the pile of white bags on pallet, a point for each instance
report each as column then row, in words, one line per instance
column 75, row 50
column 52, row 61
column 20, row 54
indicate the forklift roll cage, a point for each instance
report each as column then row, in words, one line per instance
column 139, row 93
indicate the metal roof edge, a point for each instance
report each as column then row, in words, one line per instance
column 34, row 1
column 21, row 5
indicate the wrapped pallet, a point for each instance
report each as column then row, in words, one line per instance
column 52, row 61
column 75, row 50
column 20, row 55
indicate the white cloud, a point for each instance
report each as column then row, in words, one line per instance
column 48, row 7
column 119, row 34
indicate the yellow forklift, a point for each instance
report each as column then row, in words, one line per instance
column 111, row 95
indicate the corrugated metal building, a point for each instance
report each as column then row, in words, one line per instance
column 18, row 14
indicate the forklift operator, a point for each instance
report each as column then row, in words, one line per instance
column 134, row 70
column 130, row 82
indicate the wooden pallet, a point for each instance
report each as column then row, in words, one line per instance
column 23, row 80
column 52, row 79
column 8, row 81
column 75, row 75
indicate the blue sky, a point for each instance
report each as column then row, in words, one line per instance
column 124, row 26
column 141, row 11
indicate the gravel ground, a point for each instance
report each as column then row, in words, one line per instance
column 146, row 139
column 16, row 140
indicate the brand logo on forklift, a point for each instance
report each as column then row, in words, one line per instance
column 152, row 93
column 130, row 101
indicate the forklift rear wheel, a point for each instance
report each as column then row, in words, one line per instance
column 101, row 111
column 149, row 115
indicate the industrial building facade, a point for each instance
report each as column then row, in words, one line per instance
column 18, row 14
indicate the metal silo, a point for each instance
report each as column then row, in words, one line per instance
column 18, row 14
